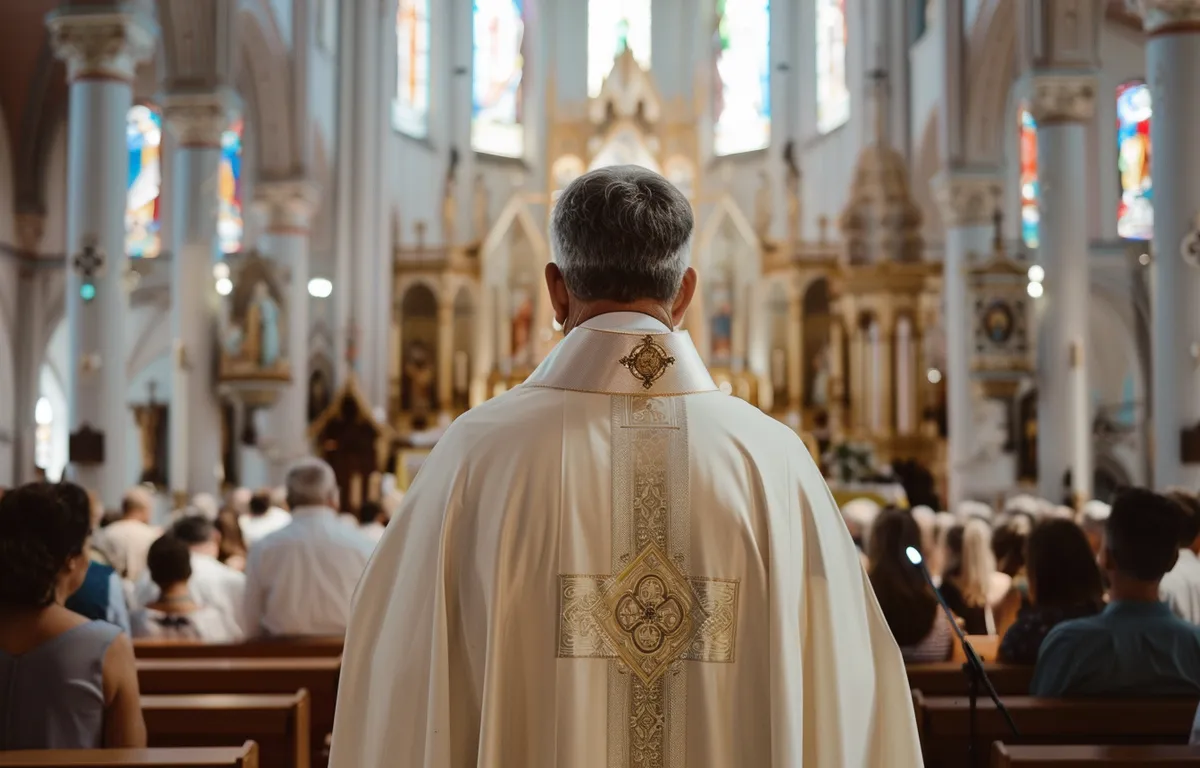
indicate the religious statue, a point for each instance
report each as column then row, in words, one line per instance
column 819, row 393
column 522, row 329
column 319, row 395
column 419, row 372
column 479, row 205
column 449, row 201
column 259, row 342
column 793, row 192
column 764, row 207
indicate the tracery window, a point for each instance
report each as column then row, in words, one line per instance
column 1027, row 152
column 410, row 111
column 833, row 93
column 1135, row 210
column 742, row 101
column 613, row 27
column 499, row 67
column 143, row 214
column 230, row 226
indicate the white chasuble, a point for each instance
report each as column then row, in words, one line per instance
column 614, row 565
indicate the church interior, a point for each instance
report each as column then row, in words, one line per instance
column 238, row 233
column 867, row 177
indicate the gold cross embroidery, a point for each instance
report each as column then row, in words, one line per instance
column 650, row 616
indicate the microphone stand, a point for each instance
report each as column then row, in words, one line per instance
column 973, row 668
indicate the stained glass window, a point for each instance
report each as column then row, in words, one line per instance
column 499, row 67
column 613, row 26
column 833, row 95
column 1027, row 150
column 229, row 185
column 1135, row 211
column 143, row 220
column 742, row 101
column 410, row 113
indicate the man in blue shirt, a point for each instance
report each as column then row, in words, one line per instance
column 1136, row 646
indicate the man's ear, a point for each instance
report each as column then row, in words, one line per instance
column 687, row 291
column 560, row 297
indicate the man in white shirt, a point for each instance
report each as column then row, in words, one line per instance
column 264, row 519
column 128, row 540
column 1180, row 588
column 300, row 579
column 213, row 584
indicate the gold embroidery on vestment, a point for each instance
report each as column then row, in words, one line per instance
column 648, row 361
column 649, row 617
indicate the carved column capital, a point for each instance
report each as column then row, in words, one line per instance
column 1166, row 15
column 198, row 119
column 289, row 204
column 1063, row 98
column 967, row 199
column 101, row 44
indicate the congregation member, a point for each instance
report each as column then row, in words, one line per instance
column 264, row 519
column 102, row 594
column 211, row 583
column 1180, row 588
column 906, row 599
column 373, row 520
column 1093, row 516
column 175, row 613
column 66, row 682
column 557, row 556
column 1135, row 647
column 1064, row 583
column 300, row 579
column 129, row 538
column 231, row 550
column 975, row 590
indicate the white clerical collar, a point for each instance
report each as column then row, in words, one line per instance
column 626, row 321
column 624, row 353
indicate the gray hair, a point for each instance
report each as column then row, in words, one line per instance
column 621, row 234
column 311, row 482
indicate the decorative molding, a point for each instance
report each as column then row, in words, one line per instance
column 967, row 200
column 198, row 119
column 102, row 46
column 289, row 204
column 1063, row 98
column 1162, row 15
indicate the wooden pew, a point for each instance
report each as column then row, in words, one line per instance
column 944, row 723
column 267, row 648
column 948, row 679
column 245, row 756
column 279, row 724
column 1008, row 756
column 248, row 676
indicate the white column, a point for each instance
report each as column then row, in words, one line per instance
column 289, row 207
column 102, row 47
column 195, row 414
column 1062, row 106
column 1173, row 69
column 967, row 202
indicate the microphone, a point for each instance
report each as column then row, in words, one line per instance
column 976, row 675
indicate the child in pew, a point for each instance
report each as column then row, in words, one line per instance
column 175, row 615
column 65, row 682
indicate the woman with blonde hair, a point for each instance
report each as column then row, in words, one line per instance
column 971, row 585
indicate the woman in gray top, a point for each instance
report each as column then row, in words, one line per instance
column 65, row 682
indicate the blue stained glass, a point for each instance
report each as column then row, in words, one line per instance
column 1135, row 210
column 143, row 215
